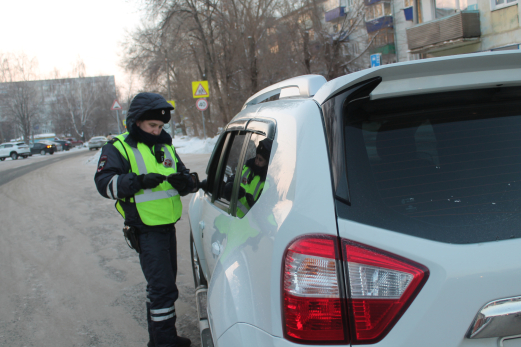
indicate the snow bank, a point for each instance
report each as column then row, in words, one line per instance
column 194, row 145
column 183, row 145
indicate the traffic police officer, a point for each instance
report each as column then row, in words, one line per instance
column 142, row 172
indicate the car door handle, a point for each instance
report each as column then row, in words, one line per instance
column 201, row 225
column 216, row 248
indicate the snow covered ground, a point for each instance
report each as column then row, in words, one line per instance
column 183, row 145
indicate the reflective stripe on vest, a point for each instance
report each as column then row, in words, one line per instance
column 160, row 205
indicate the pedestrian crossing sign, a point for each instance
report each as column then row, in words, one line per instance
column 200, row 89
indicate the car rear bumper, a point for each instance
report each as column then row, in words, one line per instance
column 242, row 335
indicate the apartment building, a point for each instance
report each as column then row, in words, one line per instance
column 434, row 28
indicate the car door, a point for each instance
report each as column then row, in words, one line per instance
column 7, row 149
column 217, row 206
column 3, row 151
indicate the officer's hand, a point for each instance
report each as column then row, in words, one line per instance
column 178, row 180
column 150, row 180
column 242, row 192
column 203, row 185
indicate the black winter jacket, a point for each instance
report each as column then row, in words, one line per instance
column 113, row 177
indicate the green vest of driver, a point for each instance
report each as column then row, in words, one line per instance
column 254, row 188
column 162, row 204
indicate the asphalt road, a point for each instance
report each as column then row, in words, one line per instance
column 67, row 276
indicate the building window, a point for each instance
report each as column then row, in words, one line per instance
column 377, row 10
column 274, row 49
column 445, row 8
column 499, row 4
column 408, row 3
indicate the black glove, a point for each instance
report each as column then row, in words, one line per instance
column 178, row 180
column 242, row 192
column 150, row 180
column 204, row 185
column 250, row 200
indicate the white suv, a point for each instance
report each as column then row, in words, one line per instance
column 14, row 150
column 389, row 215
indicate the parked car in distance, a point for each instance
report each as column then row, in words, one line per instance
column 388, row 216
column 66, row 145
column 43, row 148
column 74, row 142
column 14, row 150
column 97, row 142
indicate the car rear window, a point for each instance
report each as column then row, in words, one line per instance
column 445, row 167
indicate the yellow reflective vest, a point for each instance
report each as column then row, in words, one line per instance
column 162, row 204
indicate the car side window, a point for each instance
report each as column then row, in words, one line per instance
column 253, row 173
column 229, row 167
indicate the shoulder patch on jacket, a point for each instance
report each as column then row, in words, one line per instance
column 102, row 161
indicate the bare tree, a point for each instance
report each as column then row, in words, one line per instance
column 240, row 47
column 83, row 103
column 20, row 103
column 19, row 99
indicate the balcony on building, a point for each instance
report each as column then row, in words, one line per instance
column 453, row 30
column 336, row 9
column 378, row 15
column 335, row 14
column 383, row 43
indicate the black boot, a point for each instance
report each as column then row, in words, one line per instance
column 183, row 342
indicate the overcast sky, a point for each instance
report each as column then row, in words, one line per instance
column 57, row 32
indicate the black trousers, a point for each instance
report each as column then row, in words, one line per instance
column 158, row 260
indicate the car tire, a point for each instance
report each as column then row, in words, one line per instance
column 24, row 157
column 42, row 152
column 2, row 159
column 14, row 156
column 51, row 152
column 199, row 279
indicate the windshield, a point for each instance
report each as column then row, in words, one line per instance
column 446, row 169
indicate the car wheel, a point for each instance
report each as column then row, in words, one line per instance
column 14, row 156
column 199, row 279
column 51, row 152
column 2, row 159
column 24, row 157
column 42, row 152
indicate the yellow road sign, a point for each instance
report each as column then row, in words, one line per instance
column 200, row 89
column 171, row 102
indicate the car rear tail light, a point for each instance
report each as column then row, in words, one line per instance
column 382, row 286
column 314, row 307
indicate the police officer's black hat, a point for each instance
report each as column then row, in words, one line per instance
column 264, row 148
